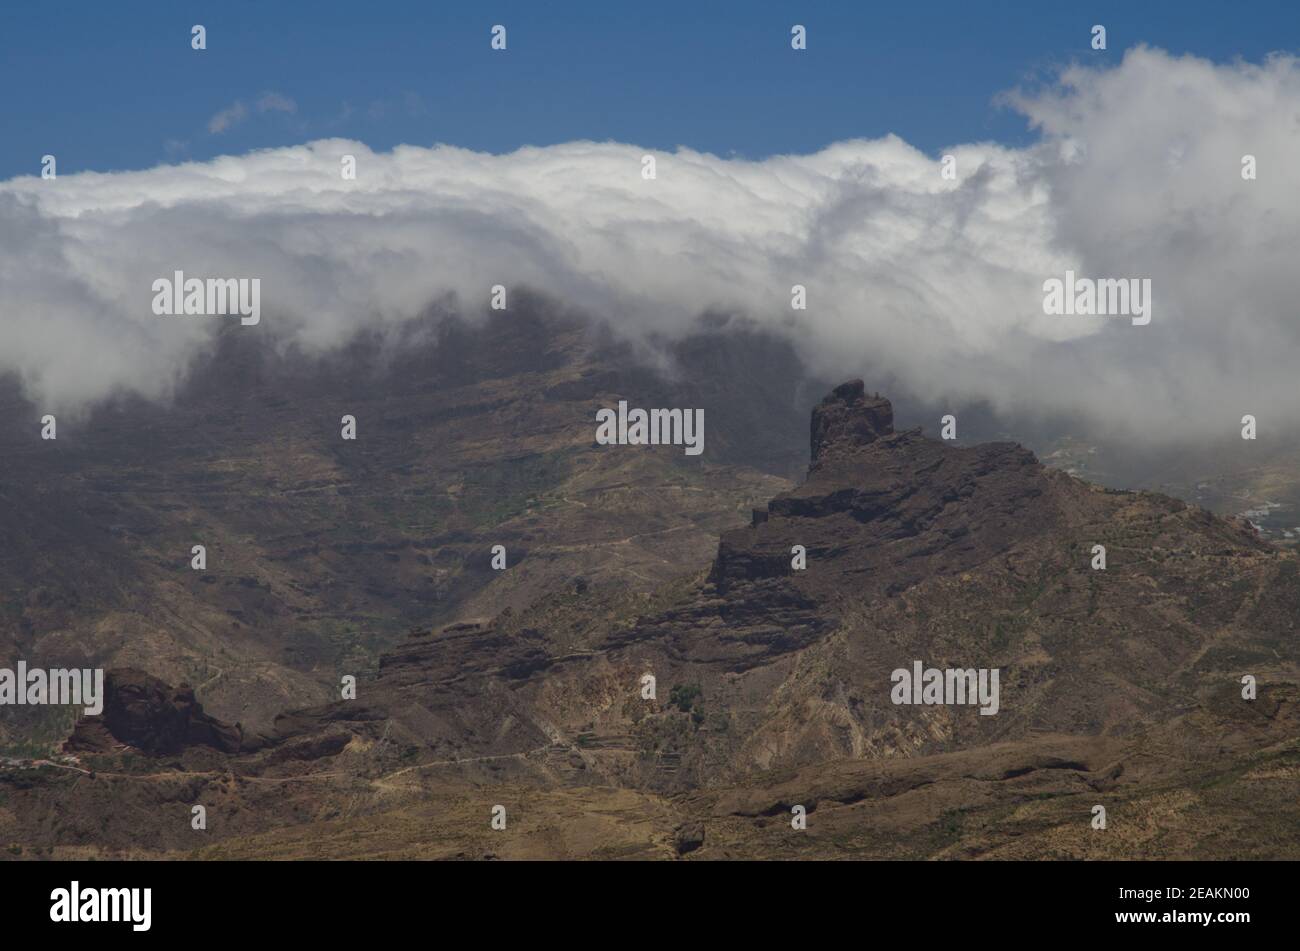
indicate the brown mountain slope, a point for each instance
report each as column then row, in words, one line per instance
column 957, row 557
column 1118, row 687
column 322, row 553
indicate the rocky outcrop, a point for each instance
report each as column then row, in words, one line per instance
column 848, row 419
column 143, row 712
column 885, row 510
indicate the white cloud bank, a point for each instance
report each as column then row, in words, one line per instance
column 1137, row 174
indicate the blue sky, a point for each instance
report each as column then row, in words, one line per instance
column 115, row 85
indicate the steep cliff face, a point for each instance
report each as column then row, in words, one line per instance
column 846, row 420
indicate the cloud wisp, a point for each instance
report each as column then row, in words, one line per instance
column 235, row 113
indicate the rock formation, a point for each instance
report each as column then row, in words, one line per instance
column 141, row 711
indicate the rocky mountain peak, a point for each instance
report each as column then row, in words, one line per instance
column 847, row 419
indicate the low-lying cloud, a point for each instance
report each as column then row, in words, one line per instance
column 936, row 283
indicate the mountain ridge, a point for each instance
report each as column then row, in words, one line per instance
column 771, row 679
